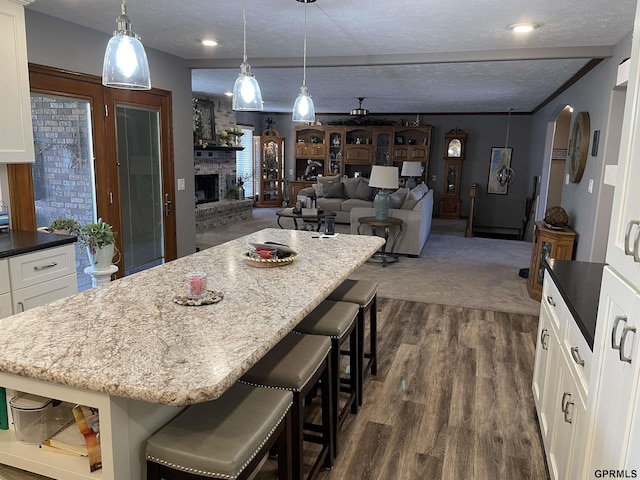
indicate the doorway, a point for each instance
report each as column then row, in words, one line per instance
column 100, row 153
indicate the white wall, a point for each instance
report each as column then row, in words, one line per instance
column 61, row 44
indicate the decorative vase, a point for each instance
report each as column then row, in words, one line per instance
column 100, row 258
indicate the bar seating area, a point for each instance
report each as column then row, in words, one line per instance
column 267, row 410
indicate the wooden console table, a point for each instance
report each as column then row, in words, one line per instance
column 548, row 242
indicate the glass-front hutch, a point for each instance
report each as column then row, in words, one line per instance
column 270, row 174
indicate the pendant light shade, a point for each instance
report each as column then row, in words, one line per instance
column 125, row 61
column 246, row 91
column 303, row 109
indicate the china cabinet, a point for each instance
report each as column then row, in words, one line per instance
column 382, row 143
column 16, row 133
column 454, row 152
column 547, row 243
column 336, row 144
column 271, row 167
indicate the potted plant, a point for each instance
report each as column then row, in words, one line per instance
column 99, row 240
column 64, row 226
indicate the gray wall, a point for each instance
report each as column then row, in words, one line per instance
column 483, row 133
column 61, row 44
column 588, row 212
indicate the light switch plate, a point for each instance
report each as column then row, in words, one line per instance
column 590, row 187
column 181, row 184
column 566, row 179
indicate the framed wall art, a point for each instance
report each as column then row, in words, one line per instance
column 207, row 123
column 500, row 162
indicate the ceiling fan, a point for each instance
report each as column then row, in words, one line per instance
column 359, row 112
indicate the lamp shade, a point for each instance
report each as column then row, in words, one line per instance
column 246, row 91
column 303, row 109
column 411, row 169
column 384, row 177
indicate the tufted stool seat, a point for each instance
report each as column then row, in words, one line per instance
column 363, row 293
column 337, row 320
column 225, row 438
column 297, row 363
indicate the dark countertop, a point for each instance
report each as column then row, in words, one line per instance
column 17, row 242
column 579, row 285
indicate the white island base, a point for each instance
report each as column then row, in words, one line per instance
column 124, row 426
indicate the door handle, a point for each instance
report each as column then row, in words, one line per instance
column 21, row 305
column 544, row 339
column 614, row 329
column 636, row 250
column 627, row 237
column 551, row 301
column 623, row 341
column 576, row 356
column 167, row 204
column 565, row 406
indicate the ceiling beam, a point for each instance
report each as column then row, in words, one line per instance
column 414, row 58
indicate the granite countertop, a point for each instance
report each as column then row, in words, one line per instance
column 17, row 242
column 129, row 339
column 579, row 285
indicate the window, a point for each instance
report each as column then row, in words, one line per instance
column 244, row 161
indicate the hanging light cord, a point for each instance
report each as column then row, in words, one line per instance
column 244, row 22
column 506, row 142
column 304, row 54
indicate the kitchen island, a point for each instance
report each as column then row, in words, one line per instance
column 127, row 349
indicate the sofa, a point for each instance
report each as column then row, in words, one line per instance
column 352, row 198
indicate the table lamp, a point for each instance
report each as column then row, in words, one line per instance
column 383, row 178
column 411, row 169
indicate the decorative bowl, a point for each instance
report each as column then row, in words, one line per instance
column 269, row 262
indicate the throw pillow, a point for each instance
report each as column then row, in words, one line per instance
column 350, row 186
column 326, row 182
column 414, row 196
column 319, row 191
column 364, row 191
column 335, row 190
column 397, row 197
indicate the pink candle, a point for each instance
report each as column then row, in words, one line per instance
column 196, row 284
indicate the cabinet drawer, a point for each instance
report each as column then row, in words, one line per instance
column 552, row 298
column 41, row 266
column 5, row 305
column 43, row 293
column 4, row 276
column 579, row 354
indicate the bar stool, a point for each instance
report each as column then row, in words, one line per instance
column 297, row 363
column 365, row 294
column 337, row 320
column 226, row 438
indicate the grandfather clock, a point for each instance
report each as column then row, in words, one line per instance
column 454, row 150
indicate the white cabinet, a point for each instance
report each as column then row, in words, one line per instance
column 5, row 289
column 40, row 277
column 559, row 385
column 614, row 393
column 624, row 234
column 16, row 134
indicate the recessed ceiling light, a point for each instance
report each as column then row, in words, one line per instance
column 209, row 43
column 523, row 27
column 229, row 94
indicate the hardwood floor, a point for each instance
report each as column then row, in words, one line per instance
column 452, row 399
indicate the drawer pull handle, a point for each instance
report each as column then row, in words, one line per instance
column 636, row 244
column 623, row 341
column 544, row 339
column 565, row 408
column 576, row 356
column 627, row 236
column 21, row 306
column 38, row 268
column 565, row 397
column 551, row 301
column 620, row 318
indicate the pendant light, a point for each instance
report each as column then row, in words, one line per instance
column 125, row 61
column 504, row 175
column 303, row 109
column 246, row 91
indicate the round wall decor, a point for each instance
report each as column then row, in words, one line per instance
column 579, row 146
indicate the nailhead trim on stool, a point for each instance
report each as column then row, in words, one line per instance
column 337, row 320
column 297, row 363
column 211, row 439
column 365, row 294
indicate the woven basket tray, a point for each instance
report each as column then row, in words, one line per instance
column 269, row 262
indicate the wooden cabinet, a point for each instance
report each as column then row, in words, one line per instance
column 547, row 243
column 16, row 133
column 42, row 277
column 562, row 365
column 270, row 179
column 345, row 150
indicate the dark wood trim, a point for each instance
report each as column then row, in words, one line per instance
column 590, row 65
column 23, row 210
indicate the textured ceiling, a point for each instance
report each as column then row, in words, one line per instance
column 414, row 56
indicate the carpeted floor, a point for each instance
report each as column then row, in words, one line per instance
column 452, row 270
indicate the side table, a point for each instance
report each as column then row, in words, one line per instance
column 384, row 256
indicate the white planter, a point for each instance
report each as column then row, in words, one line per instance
column 101, row 258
